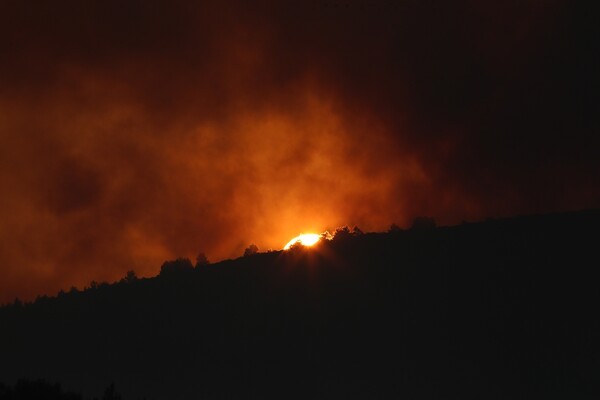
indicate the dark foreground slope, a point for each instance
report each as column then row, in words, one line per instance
column 504, row 309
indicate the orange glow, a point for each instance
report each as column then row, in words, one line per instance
column 306, row 239
column 208, row 129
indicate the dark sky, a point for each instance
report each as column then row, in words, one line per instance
column 132, row 132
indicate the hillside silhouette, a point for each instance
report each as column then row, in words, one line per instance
column 500, row 309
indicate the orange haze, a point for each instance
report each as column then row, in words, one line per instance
column 132, row 133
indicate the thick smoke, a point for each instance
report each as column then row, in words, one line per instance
column 133, row 132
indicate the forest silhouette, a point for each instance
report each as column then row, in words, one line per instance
column 505, row 308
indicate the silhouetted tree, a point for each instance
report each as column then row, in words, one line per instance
column 344, row 232
column 201, row 260
column 297, row 246
column 341, row 233
column 394, row 228
column 176, row 266
column 41, row 299
column 252, row 249
column 17, row 303
column 130, row 277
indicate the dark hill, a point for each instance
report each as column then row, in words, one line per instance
column 505, row 309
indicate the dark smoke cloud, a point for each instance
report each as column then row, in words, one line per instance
column 133, row 132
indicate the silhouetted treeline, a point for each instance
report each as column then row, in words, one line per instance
column 505, row 309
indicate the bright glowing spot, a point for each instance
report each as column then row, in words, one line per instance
column 306, row 239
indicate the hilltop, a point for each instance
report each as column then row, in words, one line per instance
column 504, row 308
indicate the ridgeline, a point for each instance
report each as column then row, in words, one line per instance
column 499, row 309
